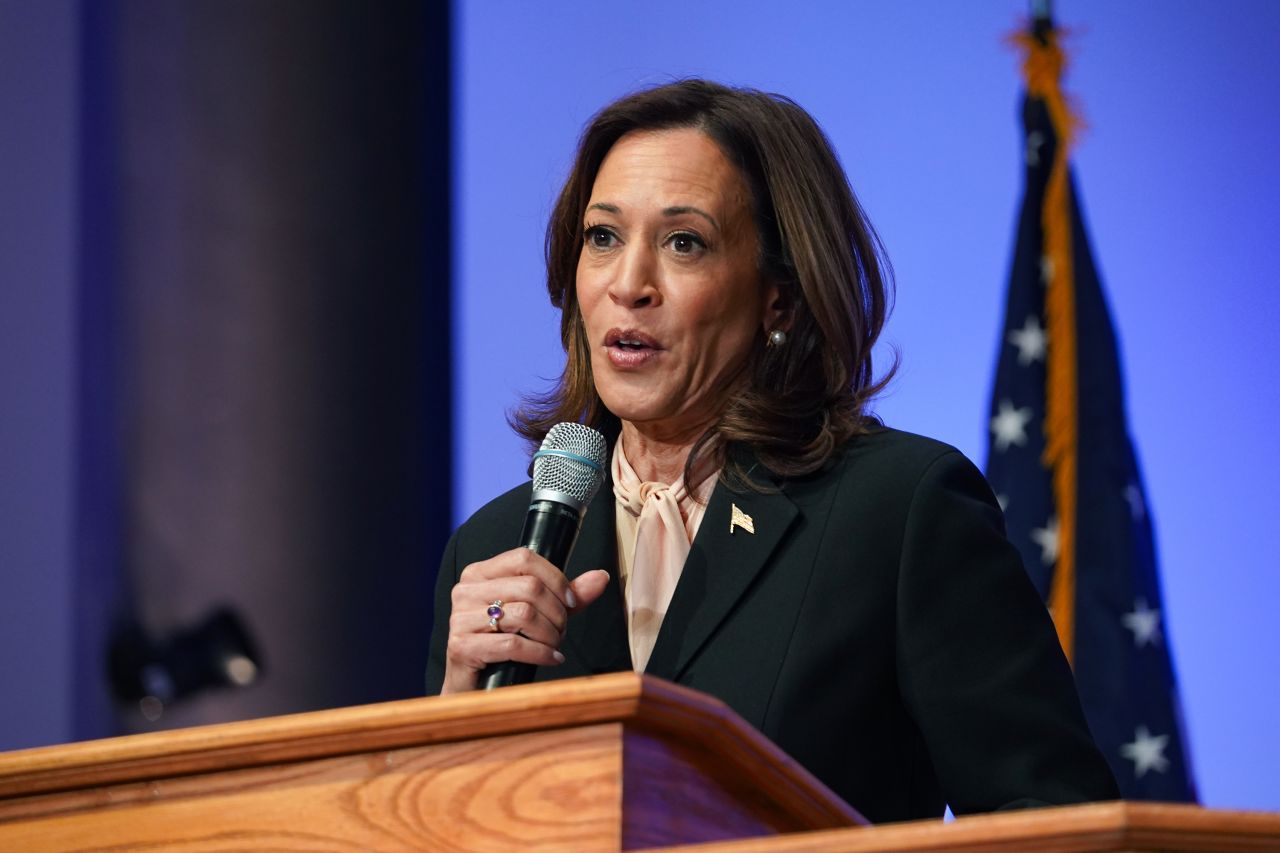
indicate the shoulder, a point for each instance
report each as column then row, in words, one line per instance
column 884, row 473
column 892, row 450
column 897, row 461
column 494, row 527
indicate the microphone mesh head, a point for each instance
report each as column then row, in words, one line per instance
column 570, row 463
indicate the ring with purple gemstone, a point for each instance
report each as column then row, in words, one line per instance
column 494, row 612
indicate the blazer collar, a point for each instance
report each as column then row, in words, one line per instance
column 723, row 561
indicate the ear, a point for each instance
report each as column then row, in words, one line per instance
column 777, row 308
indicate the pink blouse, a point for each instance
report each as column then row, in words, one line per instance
column 655, row 525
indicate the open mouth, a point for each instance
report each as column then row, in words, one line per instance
column 630, row 340
column 631, row 348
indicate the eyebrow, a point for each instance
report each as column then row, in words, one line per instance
column 666, row 211
column 676, row 211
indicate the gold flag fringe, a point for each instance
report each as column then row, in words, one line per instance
column 1042, row 68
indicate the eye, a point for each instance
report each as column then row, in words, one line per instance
column 686, row 243
column 599, row 237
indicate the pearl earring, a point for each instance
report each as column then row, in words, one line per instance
column 777, row 338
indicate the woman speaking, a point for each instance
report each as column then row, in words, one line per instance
column 846, row 588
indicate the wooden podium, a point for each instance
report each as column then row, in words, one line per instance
column 617, row 762
column 606, row 763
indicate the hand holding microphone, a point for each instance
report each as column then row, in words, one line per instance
column 509, row 612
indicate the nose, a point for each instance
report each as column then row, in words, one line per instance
column 636, row 284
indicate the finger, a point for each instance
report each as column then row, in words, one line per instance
column 517, row 575
column 518, row 592
column 476, row 651
column 515, row 617
column 520, row 562
column 589, row 586
column 468, row 655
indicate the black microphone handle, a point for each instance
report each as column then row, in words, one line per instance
column 550, row 529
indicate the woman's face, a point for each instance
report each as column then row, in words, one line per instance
column 669, row 283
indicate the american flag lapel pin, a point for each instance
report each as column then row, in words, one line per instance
column 740, row 519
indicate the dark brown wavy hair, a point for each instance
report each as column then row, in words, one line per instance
column 799, row 401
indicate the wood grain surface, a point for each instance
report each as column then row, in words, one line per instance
column 1097, row 827
column 546, row 791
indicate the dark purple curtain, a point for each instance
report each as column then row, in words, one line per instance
column 264, row 342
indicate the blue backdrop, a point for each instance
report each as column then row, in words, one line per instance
column 1178, row 183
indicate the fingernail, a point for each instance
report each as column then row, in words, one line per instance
column 569, row 598
column 559, row 657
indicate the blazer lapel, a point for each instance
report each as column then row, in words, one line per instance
column 599, row 633
column 722, row 564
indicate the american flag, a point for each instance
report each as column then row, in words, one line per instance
column 1063, row 466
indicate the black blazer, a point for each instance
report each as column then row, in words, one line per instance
column 877, row 625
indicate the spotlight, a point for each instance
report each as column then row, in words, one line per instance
column 216, row 653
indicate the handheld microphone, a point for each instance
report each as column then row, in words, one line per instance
column 567, row 471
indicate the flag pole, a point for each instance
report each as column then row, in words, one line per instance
column 1042, row 70
column 1041, row 20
